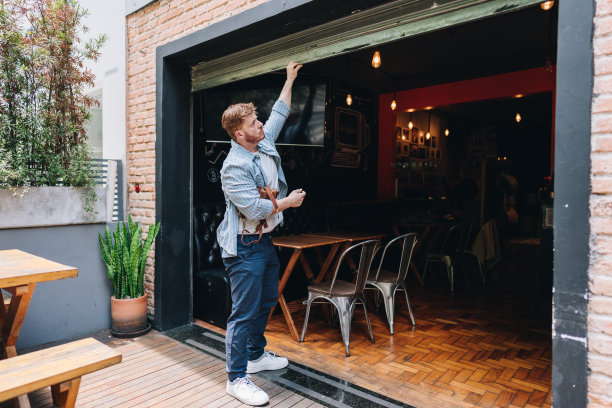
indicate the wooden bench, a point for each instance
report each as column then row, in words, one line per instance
column 59, row 367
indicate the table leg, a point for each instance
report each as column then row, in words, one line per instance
column 281, row 287
column 15, row 316
column 65, row 394
column 327, row 263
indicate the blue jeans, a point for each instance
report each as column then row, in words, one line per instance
column 253, row 277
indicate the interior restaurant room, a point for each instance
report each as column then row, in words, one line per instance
column 447, row 134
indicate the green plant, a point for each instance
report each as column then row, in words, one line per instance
column 125, row 255
column 43, row 106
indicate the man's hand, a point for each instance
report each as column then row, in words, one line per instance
column 292, row 70
column 296, row 197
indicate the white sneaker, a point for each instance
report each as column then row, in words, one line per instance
column 267, row 361
column 246, row 392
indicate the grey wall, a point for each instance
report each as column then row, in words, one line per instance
column 67, row 308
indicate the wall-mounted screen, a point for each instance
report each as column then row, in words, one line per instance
column 305, row 125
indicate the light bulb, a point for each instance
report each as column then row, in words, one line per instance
column 393, row 104
column 410, row 125
column 547, row 5
column 349, row 100
column 428, row 135
column 447, row 132
column 518, row 118
column 376, row 59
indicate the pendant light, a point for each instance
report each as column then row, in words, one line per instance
column 393, row 103
column 349, row 98
column 447, row 132
column 428, row 135
column 518, row 118
column 376, row 59
column 410, row 124
column 547, row 5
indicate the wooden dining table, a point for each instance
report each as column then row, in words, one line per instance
column 19, row 274
column 350, row 238
column 299, row 243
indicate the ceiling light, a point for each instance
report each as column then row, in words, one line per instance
column 376, row 59
column 518, row 95
column 447, row 132
column 547, row 5
column 518, row 118
column 349, row 99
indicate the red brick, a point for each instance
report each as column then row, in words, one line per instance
column 602, row 46
column 603, row 103
column 602, row 123
column 601, row 265
column 603, row 25
column 600, row 384
column 603, row 8
column 600, row 285
column 601, row 143
column 602, row 84
column 600, row 364
column 601, row 164
column 601, row 305
column 601, row 185
column 603, row 65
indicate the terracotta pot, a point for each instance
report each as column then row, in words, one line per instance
column 129, row 316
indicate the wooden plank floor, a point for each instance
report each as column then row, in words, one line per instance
column 157, row 371
column 481, row 347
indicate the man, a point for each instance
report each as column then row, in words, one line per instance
column 249, row 256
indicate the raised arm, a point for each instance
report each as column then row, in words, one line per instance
column 292, row 71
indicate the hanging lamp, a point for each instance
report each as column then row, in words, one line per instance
column 376, row 59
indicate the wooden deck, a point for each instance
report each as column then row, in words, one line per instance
column 157, row 371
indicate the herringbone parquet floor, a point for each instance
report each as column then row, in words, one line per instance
column 480, row 347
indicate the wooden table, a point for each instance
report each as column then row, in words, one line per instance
column 298, row 243
column 19, row 274
column 350, row 237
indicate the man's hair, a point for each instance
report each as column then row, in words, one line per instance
column 233, row 116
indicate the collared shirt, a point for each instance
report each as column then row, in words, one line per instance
column 241, row 174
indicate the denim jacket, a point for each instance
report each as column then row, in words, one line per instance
column 241, row 174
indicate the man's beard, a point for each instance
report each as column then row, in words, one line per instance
column 255, row 139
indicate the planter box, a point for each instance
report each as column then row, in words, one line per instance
column 48, row 206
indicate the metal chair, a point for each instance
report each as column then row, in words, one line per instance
column 388, row 282
column 454, row 245
column 344, row 295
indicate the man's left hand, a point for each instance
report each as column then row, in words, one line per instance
column 292, row 70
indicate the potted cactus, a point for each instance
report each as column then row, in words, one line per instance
column 125, row 255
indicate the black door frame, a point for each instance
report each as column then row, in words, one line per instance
column 173, row 258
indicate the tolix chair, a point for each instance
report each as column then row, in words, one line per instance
column 344, row 295
column 388, row 282
column 450, row 254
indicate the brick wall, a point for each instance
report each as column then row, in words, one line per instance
column 600, row 272
column 154, row 25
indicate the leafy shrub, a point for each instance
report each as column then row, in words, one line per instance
column 43, row 108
